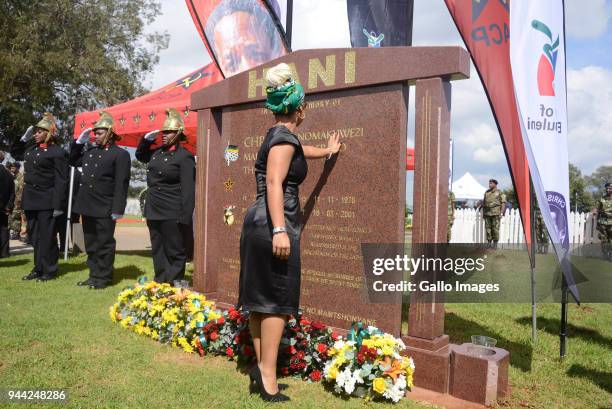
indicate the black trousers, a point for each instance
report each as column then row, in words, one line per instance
column 168, row 248
column 99, row 235
column 43, row 232
column 187, row 231
column 4, row 235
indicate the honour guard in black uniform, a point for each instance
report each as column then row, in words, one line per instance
column 170, row 198
column 102, row 196
column 44, row 193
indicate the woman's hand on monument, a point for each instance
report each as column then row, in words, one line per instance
column 333, row 143
column 281, row 247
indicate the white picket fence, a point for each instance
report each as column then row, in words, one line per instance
column 469, row 227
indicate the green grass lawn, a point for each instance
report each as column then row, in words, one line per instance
column 57, row 335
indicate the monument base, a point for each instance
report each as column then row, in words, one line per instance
column 432, row 362
column 480, row 377
column 461, row 371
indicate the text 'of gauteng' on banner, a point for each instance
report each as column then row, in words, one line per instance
column 484, row 26
column 380, row 23
column 240, row 34
column 537, row 53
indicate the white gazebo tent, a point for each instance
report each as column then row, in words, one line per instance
column 466, row 188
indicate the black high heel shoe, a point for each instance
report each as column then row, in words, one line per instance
column 255, row 375
column 254, row 388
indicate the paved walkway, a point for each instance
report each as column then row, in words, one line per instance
column 128, row 238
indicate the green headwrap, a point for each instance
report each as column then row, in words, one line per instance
column 285, row 98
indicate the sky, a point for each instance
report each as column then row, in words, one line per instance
column 477, row 145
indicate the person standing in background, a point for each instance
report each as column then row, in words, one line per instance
column 102, row 196
column 492, row 210
column 170, row 197
column 604, row 222
column 451, row 215
column 44, row 193
column 17, row 218
column 7, row 198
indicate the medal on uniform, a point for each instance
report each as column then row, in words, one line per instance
column 231, row 153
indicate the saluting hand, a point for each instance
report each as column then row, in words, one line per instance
column 281, row 247
column 84, row 136
column 28, row 134
column 151, row 136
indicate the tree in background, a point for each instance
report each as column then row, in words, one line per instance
column 579, row 188
column 511, row 197
column 579, row 195
column 67, row 56
column 138, row 178
column 598, row 179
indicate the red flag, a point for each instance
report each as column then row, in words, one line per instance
column 239, row 35
column 484, row 26
column 136, row 117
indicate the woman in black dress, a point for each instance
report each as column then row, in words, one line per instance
column 270, row 240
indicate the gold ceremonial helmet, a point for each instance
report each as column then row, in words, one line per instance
column 174, row 121
column 48, row 124
column 107, row 122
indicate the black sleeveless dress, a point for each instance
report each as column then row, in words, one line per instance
column 267, row 283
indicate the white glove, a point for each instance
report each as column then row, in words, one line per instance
column 84, row 136
column 28, row 134
column 116, row 216
column 57, row 213
column 151, row 136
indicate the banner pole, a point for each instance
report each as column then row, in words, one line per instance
column 563, row 330
column 69, row 213
column 534, row 327
column 289, row 23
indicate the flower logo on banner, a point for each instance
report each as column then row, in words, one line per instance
column 548, row 61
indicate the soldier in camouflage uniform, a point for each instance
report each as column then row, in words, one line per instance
column 492, row 208
column 604, row 222
column 541, row 232
column 17, row 215
column 451, row 215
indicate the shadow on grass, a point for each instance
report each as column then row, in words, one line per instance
column 13, row 263
column 552, row 326
column 128, row 273
column 460, row 330
column 71, row 267
column 143, row 253
column 599, row 378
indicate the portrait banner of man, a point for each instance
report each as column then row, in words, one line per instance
column 240, row 34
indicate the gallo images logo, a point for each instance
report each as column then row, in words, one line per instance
column 548, row 61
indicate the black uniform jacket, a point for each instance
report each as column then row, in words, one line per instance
column 171, row 182
column 7, row 189
column 45, row 175
column 105, row 179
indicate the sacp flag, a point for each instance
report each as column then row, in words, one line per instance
column 484, row 27
column 240, row 34
column 380, row 23
column 537, row 56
